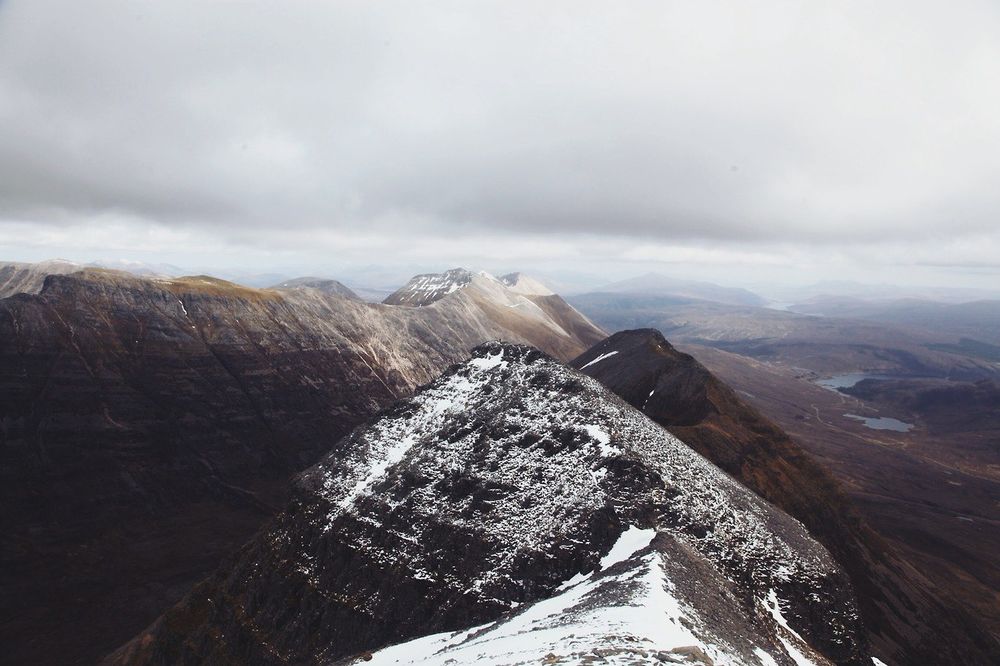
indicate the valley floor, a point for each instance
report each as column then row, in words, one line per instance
column 934, row 495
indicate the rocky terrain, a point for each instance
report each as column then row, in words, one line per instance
column 908, row 620
column 514, row 510
column 147, row 427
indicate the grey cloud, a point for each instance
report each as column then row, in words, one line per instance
column 727, row 122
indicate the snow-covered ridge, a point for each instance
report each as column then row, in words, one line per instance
column 630, row 615
column 541, row 450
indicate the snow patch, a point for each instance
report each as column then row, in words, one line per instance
column 765, row 658
column 489, row 362
column 599, row 359
column 389, row 458
column 631, row 541
column 797, row 656
column 773, row 606
column 598, row 433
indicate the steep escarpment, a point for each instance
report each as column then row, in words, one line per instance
column 147, row 427
column 907, row 619
column 524, row 505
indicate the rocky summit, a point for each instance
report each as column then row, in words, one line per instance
column 512, row 511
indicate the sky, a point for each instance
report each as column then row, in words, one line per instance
column 744, row 143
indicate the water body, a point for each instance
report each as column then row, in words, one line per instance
column 882, row 423
column 848, row 380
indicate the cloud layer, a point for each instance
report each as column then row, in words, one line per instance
column 315, row 127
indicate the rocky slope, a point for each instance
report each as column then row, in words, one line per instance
column 908, row 621
column 525, row 506
column 149, row 426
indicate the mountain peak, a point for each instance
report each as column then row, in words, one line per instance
column 427, row 288
column 509, row 487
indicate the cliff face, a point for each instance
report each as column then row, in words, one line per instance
column 514, row 499
column 148, row 427
column 908, row 621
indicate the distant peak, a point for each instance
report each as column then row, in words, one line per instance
column 427, row 288
column 323, row 285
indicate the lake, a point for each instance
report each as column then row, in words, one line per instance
column 882, row 423
column 849, row 380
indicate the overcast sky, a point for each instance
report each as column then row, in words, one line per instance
column 741, row 142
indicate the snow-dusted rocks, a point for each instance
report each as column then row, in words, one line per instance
column 520, row 500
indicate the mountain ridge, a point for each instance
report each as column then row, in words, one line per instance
column 149, row 426
column 500, row 484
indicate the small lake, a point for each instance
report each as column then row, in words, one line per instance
column 848, row 380
column 882, row 423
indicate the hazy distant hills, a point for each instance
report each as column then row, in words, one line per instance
column 150, row 425
column 978, row 320
column 655, row 284
column 821, row 344
column 848, row 290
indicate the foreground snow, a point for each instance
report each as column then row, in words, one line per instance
column 626, row 615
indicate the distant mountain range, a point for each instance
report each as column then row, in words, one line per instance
column 977, row 320
column 655, row 284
